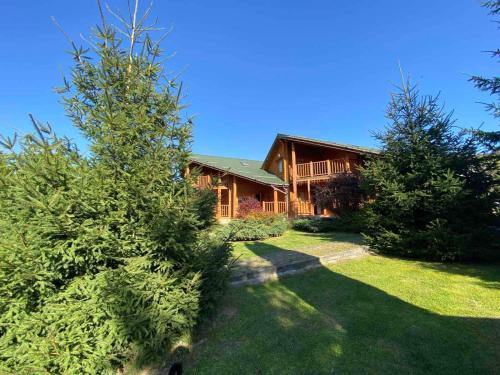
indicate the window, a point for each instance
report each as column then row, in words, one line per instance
column 280, row 165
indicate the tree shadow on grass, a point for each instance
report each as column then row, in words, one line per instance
column 488, row 273
column 322, row 322
column 329, row 241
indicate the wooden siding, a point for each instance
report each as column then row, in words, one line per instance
column 277, row 153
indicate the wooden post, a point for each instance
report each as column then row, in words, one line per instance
column 229, row 200
column 294, row 172
column 347, row 164
column 219, row 200
column 286, row 177
column 328, row 167
column 234, row 191
column 311, row 170
column 275, row 204
column 293, row 196
column 187, row 171
column 309, row 195
column 308, row 190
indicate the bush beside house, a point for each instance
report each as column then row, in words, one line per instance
column 256, row 228
column 347, row 222
column 252, row 223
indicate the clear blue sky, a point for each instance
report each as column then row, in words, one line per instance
column 255, row 68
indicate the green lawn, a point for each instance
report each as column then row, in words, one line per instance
column 375, row 315
column 295, row 240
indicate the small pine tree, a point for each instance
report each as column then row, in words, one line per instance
column 433, row 187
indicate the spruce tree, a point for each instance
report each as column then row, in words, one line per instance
column 491, row 84
column 433, row 188
column 105, row 258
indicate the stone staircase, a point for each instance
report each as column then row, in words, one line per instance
column 261, row 269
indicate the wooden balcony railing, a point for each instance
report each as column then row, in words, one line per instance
column 269, row 207
column 224, row 210
column 325, row 167
column 303, row 208
column 282, row 207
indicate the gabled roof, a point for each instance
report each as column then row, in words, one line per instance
column 367, row 150
column 319, row 142
column 249, row 169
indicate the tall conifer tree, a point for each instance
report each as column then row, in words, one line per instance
column 433, row 186
column 105, row 258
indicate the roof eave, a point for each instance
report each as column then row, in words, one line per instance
column 238, row 174
column 324, row 144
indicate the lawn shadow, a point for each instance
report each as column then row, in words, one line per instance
column 484, row 272
column 342, row 240
column 322, row 322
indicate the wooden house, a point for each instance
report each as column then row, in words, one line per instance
column 284, row 182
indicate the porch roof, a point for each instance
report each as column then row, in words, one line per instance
column 245, row 168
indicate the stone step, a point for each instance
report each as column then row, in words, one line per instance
column 246, row 273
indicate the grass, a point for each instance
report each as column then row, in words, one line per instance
column 375, row 315
column 295, row 240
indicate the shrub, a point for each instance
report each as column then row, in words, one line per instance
column 278, row 227
column 314, row 225
column 211, row 258
column 342, row 193
column 99, row 322
column 354, row 221
column 247, row 230
column 255, row 227
column 248, row 206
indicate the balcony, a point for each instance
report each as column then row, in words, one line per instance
column 325, row 168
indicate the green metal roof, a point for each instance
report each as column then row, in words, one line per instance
column 249, row 169
column 328, row 143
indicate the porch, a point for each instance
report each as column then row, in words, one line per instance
column 230, row 189
column 226, row 210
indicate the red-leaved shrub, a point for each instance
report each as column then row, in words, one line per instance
column 248, row 206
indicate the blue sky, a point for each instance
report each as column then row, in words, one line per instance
column 252, row 69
